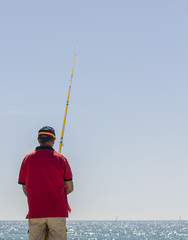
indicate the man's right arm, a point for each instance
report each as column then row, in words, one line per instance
column 69, row 186
column 24, row 189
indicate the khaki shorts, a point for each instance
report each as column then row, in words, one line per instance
column 47, row 229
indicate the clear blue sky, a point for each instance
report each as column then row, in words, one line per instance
column 126, row 131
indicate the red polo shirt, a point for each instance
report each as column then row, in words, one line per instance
column 44, row 172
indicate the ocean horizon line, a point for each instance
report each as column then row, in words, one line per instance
column 110, row 220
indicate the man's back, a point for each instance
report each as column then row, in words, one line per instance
column 44, row 172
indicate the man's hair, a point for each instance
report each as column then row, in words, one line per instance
column 44, row 139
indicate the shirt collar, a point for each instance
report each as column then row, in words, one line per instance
column 44, row 147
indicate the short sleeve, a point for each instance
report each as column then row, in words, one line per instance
column 68, row 172
column 21, row 179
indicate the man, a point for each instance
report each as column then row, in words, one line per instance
column 46, row 180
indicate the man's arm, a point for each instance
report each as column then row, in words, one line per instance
column 69, row 186
column 24, row 189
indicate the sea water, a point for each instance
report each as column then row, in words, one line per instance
column 106, row 230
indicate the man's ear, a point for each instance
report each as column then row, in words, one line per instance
column 53, row 141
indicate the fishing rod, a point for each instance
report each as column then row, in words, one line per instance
column 67, row 104
column 65, row 116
